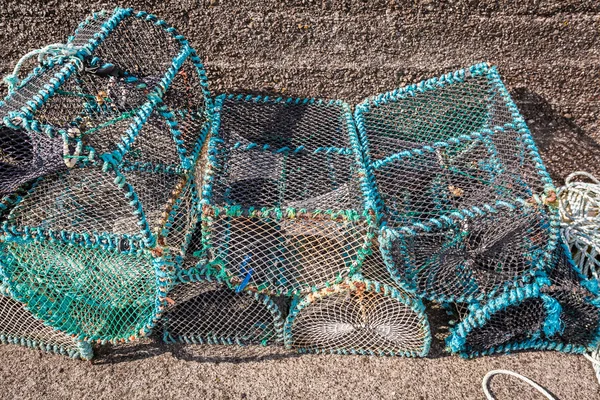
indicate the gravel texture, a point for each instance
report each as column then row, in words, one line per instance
column 548, row 52
column 152, row 371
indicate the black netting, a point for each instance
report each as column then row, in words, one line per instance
column 474, row 257
column 564, row 316
column 25, row 156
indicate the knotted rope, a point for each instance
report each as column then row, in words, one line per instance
column 44, row 54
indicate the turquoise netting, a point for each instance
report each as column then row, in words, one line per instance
column 90, row 248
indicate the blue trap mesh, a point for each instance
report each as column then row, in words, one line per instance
column 91, row 247
column 466, row 204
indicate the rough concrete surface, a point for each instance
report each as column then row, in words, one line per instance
column 152, row 371
column 548, row 52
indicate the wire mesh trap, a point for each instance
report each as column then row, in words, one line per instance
column 283, row 210
column 90, row 248
column 559, row 313
column 19, row 327
column 360, row 316
column 207, row 311
column 474, row 192
column 204, row 309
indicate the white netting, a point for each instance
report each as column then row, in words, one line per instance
column 284, row 207
column 360, row 316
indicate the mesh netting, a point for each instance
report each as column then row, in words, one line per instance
column 98, row 294
column 25, row 156
column 563, row 316
column 468, row 166
column 209, row 312
column 18, row 326
column 473, row 258
column 360, row 316
column 90, row 246
column 203, row 309
column 284, row 210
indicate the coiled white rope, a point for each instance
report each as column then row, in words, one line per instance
column 579, row 205
column 488, row 376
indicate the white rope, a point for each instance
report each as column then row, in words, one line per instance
column 52, row 50
column 488, row 376
column 594, row 358
column 579, row 206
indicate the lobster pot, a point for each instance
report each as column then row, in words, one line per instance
column 559, row 314
column 359, row 316
column 283, row 210
column 207, row 311
column 472, row 258
column 91, row 246
column 446, row 153
column 18, row 326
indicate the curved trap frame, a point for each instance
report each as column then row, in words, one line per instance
column 19, row 327
column 464, row 153
column 359, row 316
column 91, row 248
column 474, row 258
column 283, row 211
column 204, row 310
column 560, row 313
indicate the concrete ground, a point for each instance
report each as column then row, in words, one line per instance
column 548, row 51
column 153, row 371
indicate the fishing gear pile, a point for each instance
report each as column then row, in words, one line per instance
column 134, row 202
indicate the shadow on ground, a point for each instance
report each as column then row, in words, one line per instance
column 115, row 354
column 564, row 146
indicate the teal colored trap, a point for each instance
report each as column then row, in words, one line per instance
column 92, row 241
column 466, row 205
column 283, row 208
